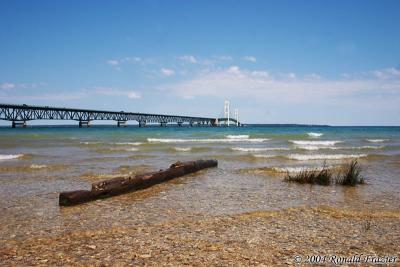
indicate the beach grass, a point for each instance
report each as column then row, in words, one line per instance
column 317, row 176
column 350, row 175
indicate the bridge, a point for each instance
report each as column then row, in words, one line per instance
column 20, row 114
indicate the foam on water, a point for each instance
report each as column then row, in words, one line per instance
column 339, row 148
column 217, row 140
column 90, row 143
column 377, row 140
column 256, row 149
column 37, row 166
column 182, row 149
column 315, row 143
column 324, row 156
column 315, row 134
column 298, row 169
column 127, row 143
column 8, row 157
column 263, row 156
column 125, row 149
column 238, row 136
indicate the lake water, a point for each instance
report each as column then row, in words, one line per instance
column 39, row 162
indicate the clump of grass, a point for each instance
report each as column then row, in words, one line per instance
column 321, row 177
column 350, row 175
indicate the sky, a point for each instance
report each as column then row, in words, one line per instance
column 310, row 62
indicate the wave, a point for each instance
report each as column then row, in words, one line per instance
column 298, row 169
column 263, row 156
column 256, row 149
column 238, row 136
column 127, row 143
column 377, row 140
column 125, row 149
column 37, row 166
column 182, row 149
column 221, row 140
column 315, row 143
column 8, row 157
column 324, row 156
column 90, row 143
column 339, row 148
column 311, row 134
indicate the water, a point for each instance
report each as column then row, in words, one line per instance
column 38, row 163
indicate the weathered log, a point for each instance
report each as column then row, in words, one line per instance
column 120, row 185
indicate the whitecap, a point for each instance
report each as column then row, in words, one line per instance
column 339, row 147
column 37, row 166
column 263, row 156
column 298, row 169
column 257, row 149
column 8, row 157
column 377, row 140
column 127, row 143
column 89, row 143
column 311, row 134
column 221, row 140
column 315, row 143
column 182, row 149
column 324, row 156
column 238, row 136
column 125, row 149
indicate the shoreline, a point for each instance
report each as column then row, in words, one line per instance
column 257, row 238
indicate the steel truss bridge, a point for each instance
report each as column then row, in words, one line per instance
column 20, row 114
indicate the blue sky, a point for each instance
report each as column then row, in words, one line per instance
column 322, row 62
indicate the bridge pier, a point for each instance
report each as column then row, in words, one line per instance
column 180, row 124
column 121, row 123
column 142, row 123
column 163, row 124
column 83, row 123
column 14, row 124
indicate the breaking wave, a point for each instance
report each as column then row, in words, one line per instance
column 220, row 140
column 238, row 136
column 315, row 134
column 37, row 166
column 8, row 157
column 182, row 149
column 254, row 149
column 339, row 148
column 324, row 156
column 127, row 143
column 377, row 140
column 263, row 156
column 315, row 143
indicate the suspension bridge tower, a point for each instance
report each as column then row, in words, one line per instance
column 226, row 112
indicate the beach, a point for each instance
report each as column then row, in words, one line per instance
column 241, row 213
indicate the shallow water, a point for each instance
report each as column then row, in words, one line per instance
column 38, row 163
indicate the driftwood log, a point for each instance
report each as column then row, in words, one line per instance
column 120, row 185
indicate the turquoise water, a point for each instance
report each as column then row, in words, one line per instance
column 39, row 162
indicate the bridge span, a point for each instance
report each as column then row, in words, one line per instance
column 20, row 114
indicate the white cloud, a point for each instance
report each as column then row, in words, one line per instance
column 7, row 86
column 113, row 62
column 224, row 58
column 167, row 72
column 188, row 58
column 260, row 85
column 250, row 58
column 134, row 95
column 386, row 73
column 114, row 92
